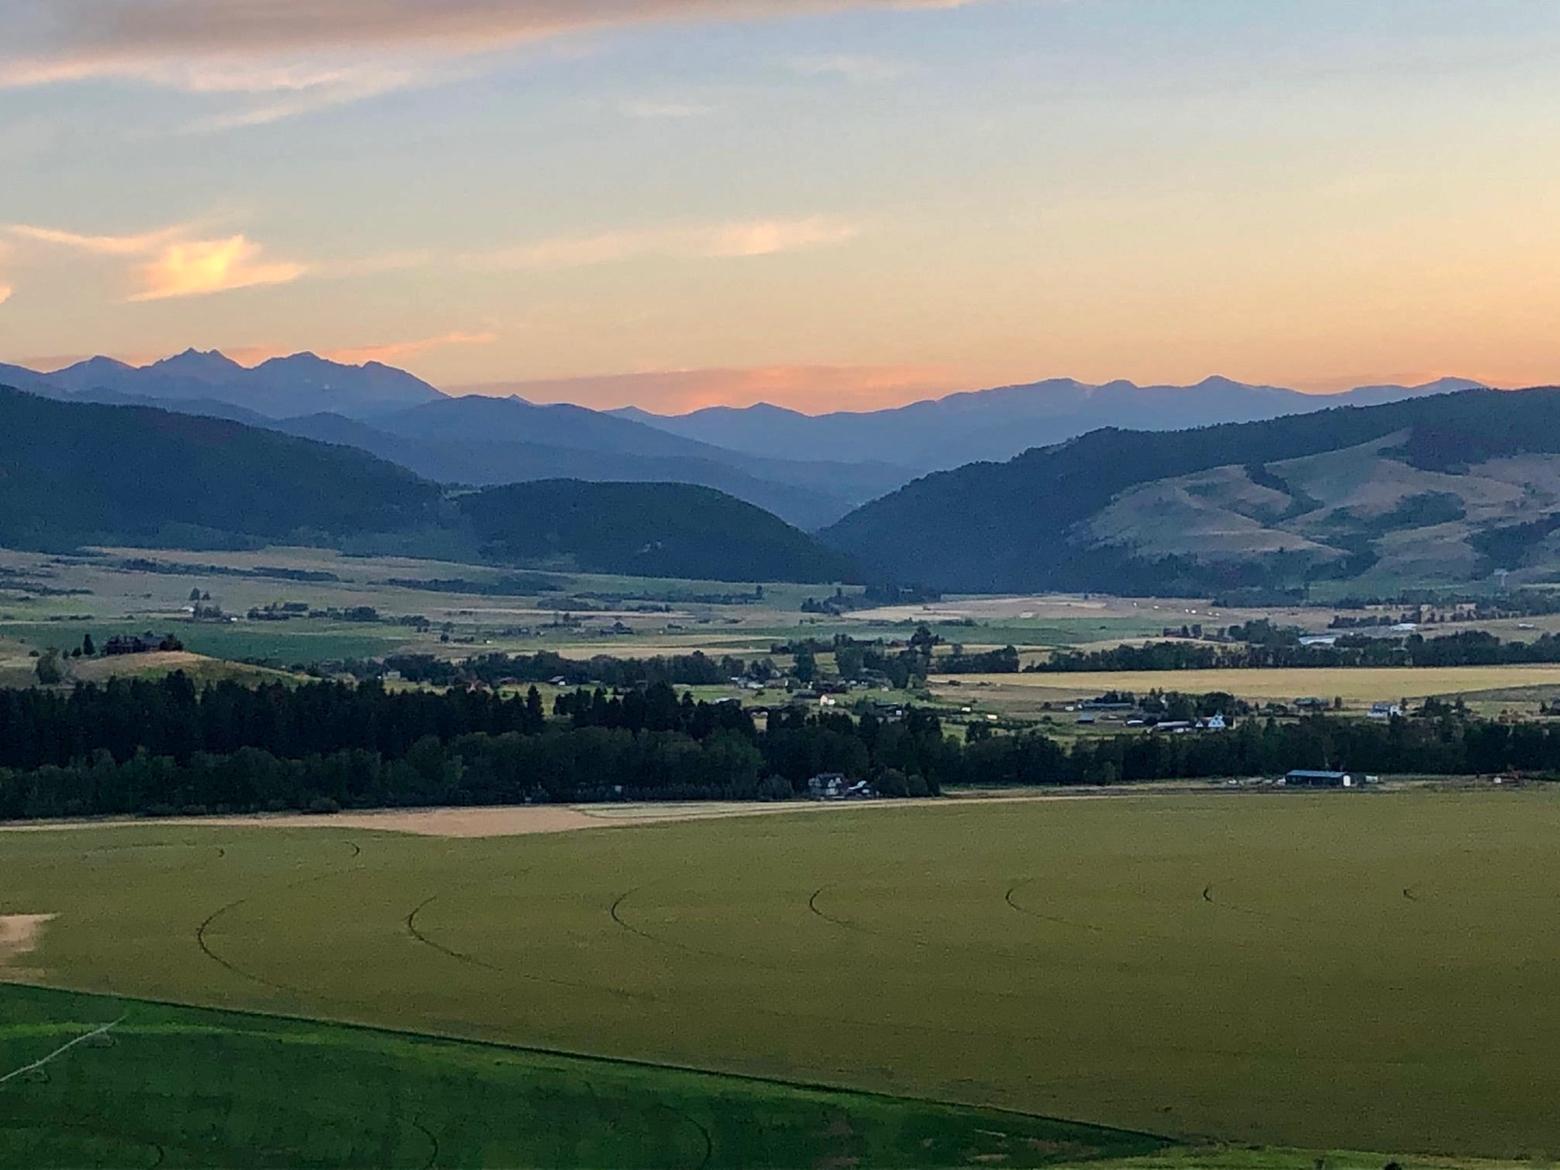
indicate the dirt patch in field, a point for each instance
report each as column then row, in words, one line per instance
column 525, row 820
column 18, row 937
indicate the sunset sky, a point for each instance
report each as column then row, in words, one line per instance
column 823, row 203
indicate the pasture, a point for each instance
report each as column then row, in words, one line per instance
column 1325, row 971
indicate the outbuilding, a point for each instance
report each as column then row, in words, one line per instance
column 1303, row 778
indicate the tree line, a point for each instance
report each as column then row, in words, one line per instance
column 1464, row 648
column 165, row 747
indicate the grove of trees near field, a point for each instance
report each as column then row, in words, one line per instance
column 162, row 747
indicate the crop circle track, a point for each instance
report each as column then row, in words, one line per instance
column 422, row 937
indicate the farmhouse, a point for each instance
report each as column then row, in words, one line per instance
column 1385, row 711
column 834, row 786
column 147, row 643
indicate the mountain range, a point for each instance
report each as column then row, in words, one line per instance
column 809, row 470
column 983, row 425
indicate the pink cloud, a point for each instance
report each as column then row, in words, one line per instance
column 765, row 237
column 325, row 52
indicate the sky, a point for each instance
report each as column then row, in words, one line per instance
column 827, row 204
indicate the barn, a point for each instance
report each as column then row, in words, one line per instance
column 1302, row 778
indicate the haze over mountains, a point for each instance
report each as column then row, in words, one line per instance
column 809, row 470
column 997, row 424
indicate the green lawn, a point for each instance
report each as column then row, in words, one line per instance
column 1349, row 971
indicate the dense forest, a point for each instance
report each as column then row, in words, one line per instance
column 167, row 747
column 645, row 529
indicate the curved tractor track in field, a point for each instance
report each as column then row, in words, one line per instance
column 1012, row 902
column 421, row 935
column 615, row 910
column 919, row 941
column 204, row 929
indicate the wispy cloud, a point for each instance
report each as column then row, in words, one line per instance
column 400, row 350
column 173, row 262
column 319, row 53
column 5, row 292
column 855, row 68
column 764, row 237
column 131, row 245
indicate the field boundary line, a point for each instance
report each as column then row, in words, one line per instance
column 62, row 1050
column 604, row 1060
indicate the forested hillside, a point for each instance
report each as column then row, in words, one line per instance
column 653, row 530
column 75, row 474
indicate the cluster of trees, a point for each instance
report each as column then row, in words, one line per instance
column 696, row 669
column 1003, row 661
column 1465, row 648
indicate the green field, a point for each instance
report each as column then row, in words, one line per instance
column 169, row 1086
column 1315, row 971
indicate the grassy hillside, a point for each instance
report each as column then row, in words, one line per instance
column 653, row 530
column 1437, row 490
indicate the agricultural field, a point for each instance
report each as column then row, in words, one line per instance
column 50, row 601
column 1026, row 695
column 156, row 1085
column 1316, row 972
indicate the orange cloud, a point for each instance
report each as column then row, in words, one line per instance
column 399, row 350
column 810, row 389
column 5, row 292
column 201, row 267
column 178, row 266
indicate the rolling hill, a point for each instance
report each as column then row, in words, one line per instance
column 80, row 473
column 649, row 530
column 1437, row 490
